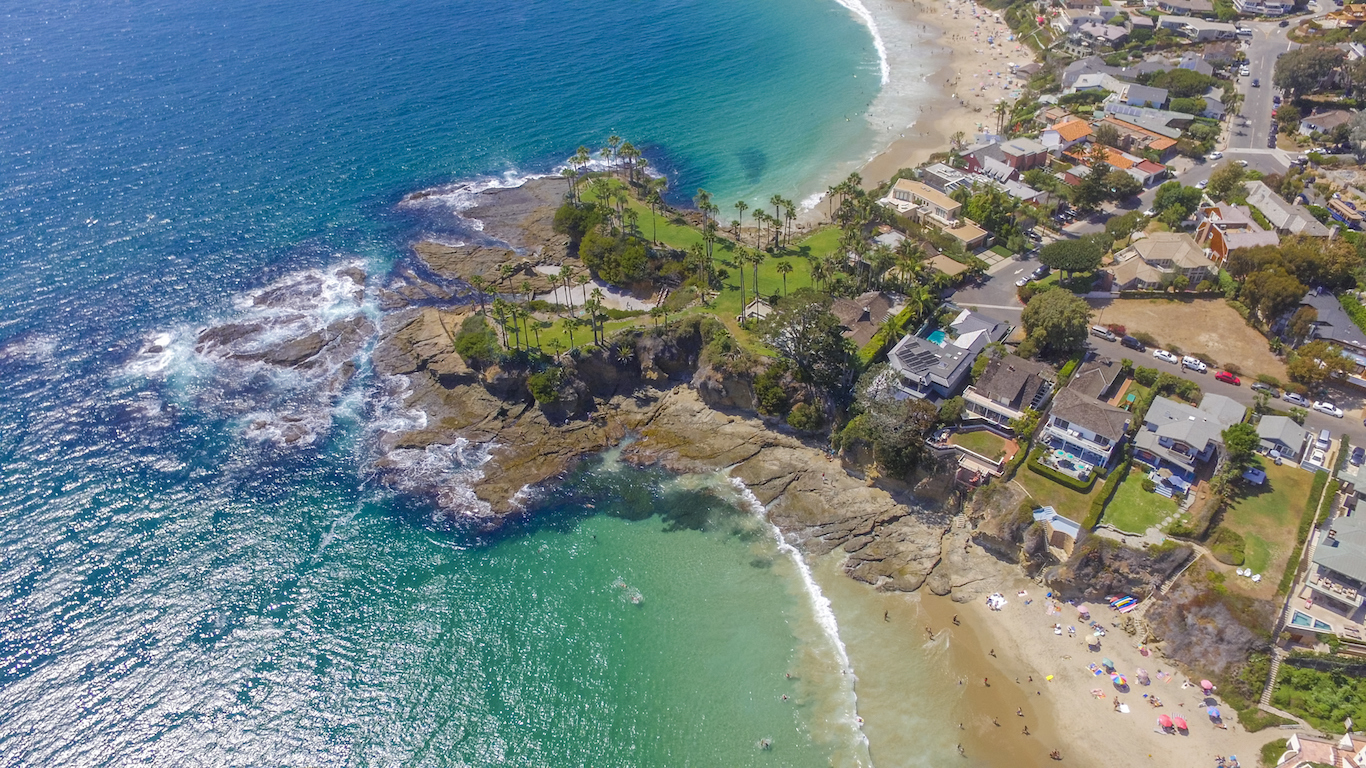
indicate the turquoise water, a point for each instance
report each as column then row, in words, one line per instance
column 178, row 589
column 938, row 337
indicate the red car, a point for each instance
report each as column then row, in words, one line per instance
column 1228, row 378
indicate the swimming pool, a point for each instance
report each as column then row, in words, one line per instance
column 939, row 338
column 1302, row 619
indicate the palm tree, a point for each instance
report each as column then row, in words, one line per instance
column 790, row 213
column 613, row 142
column 566, row 275
column 784, row 268
column 819, row 271
column 741, row 256
column 478, row 283
column 569, row 324
column 554, row 289
column 526, row 288
column 630, row 153
column 500, row 309
column 741, row 206
column 556, row 347
column 755, row 259
column 656, row 312
column 655, row 202
column 573, row 177
column 506, row 271
column 777, row 202
column 583, row 280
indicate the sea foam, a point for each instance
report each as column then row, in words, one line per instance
column 864, row 15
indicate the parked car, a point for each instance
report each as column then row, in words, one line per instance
column 1358, row 456
column 1323, row 406
column 1202, row 184
column 1151, row 212
column 1214, row 155
column 1228, row 378
column 1165, row 356
column 1132, row 343
column 1103, row 332
column 1244, row 72
column 1041, row 271
column 1294, row 399
column 1194, row 363
column 1242, row 163
column 1022, row 282
column 1266, row 388
column 1276, row 99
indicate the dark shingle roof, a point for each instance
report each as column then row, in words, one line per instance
column 1095, row 377
column 1085, row 411
column 1014, row 380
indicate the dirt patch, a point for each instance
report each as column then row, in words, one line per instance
column 1197, row 326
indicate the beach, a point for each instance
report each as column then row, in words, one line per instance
column 970, row 75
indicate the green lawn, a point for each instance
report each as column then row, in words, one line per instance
column 1046, row 493
column 983, row 443
column 1267, row 518
column 1136, row 510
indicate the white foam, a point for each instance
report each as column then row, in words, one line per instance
column 452, row 469
column 864, row 15
column 820, row 608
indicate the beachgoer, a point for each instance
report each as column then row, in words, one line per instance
column 955, row 619
column 886, row 615
column 993, row 722
column 1026, row 730
column 992, row 653
column 1031, row 678
column 986, row 682
column 1019, row 711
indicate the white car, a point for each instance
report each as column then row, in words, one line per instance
column 1242, row 163
column 1323, row 406
column 1214, row 155
column 1194, row 363
column 1245, row 72
column 1203, row 183
column 1165, row 356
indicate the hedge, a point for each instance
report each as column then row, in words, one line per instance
column 880, row 343
column 1302, row 533
column 1167, row 295
column 1013, row 465
column 1354, row 310
column 1108, row 491
column 1067, row 481
column 1068, row 368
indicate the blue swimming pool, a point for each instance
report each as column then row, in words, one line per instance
column 939, row 338
column 1302, row 619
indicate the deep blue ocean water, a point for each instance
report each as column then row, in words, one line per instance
column 175, row 592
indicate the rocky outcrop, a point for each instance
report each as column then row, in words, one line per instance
column 1100, row 566
column 1208, row 629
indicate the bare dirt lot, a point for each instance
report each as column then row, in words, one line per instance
column 1203, row 326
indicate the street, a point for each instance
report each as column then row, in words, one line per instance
column 1267, row 43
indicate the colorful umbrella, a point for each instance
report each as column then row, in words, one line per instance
column 1180, row 722
column 1213, row 712
column 1118, row 680
column 1164, row 721
column 1207, row 685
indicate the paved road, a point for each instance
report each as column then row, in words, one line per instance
column 1268, row 41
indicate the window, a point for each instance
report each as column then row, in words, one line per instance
column 1060, row 423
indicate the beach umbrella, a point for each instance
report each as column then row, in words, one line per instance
column 1164, row 721
column 1142, row 675
column 1213, row 712
column 1118, row 680
column 1180, row 722
column 1109, row 664
column 1207, row 685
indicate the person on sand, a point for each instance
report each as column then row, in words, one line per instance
column 886, row 615
column 992, row 653
column 1026, row 730
column 986, row 682
column 955, row 619
column 995, row 723
column 1019, row 711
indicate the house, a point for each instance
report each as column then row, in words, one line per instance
column 1262, row 7
column 1133, row 138
column 1226, row 227
column 1024, row 153
column 1349, row 16
column 1147, row 172
column 1097, row 379
column 1282, row 435
column 1199, row 30
column 929, row 206
column 946, row 265
column 1027, row 71
column 1101, row 32
column 1008, row 386
column 1021, row 191
column 1287, row 218
column 977, row 154
column 1338, row 569
column 1221, row 53
column 1144, row 96
column 863, row 316
column 1195, row 63
column 1181, row 7
column 1179, row 437
column 1090, row 65
column 942, row 177
column 1062, row 136
column 1160, row 121
column 1084, row 427
column 1325, row 122
column 1160, row 257
column 937, row 367
column 1303, row 749
column 1062, row 533
column 1333, row 323
column 998, row 170
column 1214, row 104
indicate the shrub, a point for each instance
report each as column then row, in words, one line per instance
column 1234, row 368
column 1149, row 485
column 769, row 391
column 805, row 417
column 1117, row 329
column 1227, row 546
column 1146, row 338
column 1068, row 369
column 1175, row 350
column 951, row 410
column 544, row 385
column 1302, row 533
column 1272, row 750
column 1266, row 378
column 1145, row 376
column 477, row 343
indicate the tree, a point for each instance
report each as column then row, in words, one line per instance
column 1240, row 445
column 1081, row 255
column 896, row 429
column 1314, row 362
column 1092, row 191
column 784, row 268
column 1271, row 292
column 1301, row 323
column 1057, row 321
column 1106, row 134
column 804, row 333
column 1120, row 227
column 1121, row 186
column 1302, row 70
column 1174, row 201
column 1226, row 182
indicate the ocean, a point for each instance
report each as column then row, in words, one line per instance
column 181, row 587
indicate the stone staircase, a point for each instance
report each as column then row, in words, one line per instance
column 1276, row 655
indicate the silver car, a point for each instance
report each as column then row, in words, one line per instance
column 1294, row 399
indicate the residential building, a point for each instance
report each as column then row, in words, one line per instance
column 1024, row 153
column 1199, row 30
column 946, row 265
column 1133, row 138
column 1008, row 386
column 1180, row 437
column 1102, row 32
column 1195, row 63
column 1089, row 65
column 1159, row 257
column 1062, row 136
column 937, row 367
column 977, row 154
column 864, row 315
column 1136, row 95
column 1214, row 104
column 1097, row 379
column 1181, row 7
column 929, row 206
column 1160, row 121
column 1262, row 7
column 1287, row 218
column 1333, row 323
column 1084, row 427
column 997, row 170
column 1226, row 227
column 1349, row 16
column 1325, row 122
column 1338, row 568
column 1305, row 750
column 1282, row 435
column 942, row 177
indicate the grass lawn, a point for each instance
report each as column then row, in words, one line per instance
column 983, row 443
column 1046, row 493
column 1136, row 510
column 1267, row 518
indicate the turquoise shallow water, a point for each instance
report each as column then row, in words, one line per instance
column 177, row 593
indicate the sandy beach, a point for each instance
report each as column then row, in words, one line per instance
column 974, row 75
